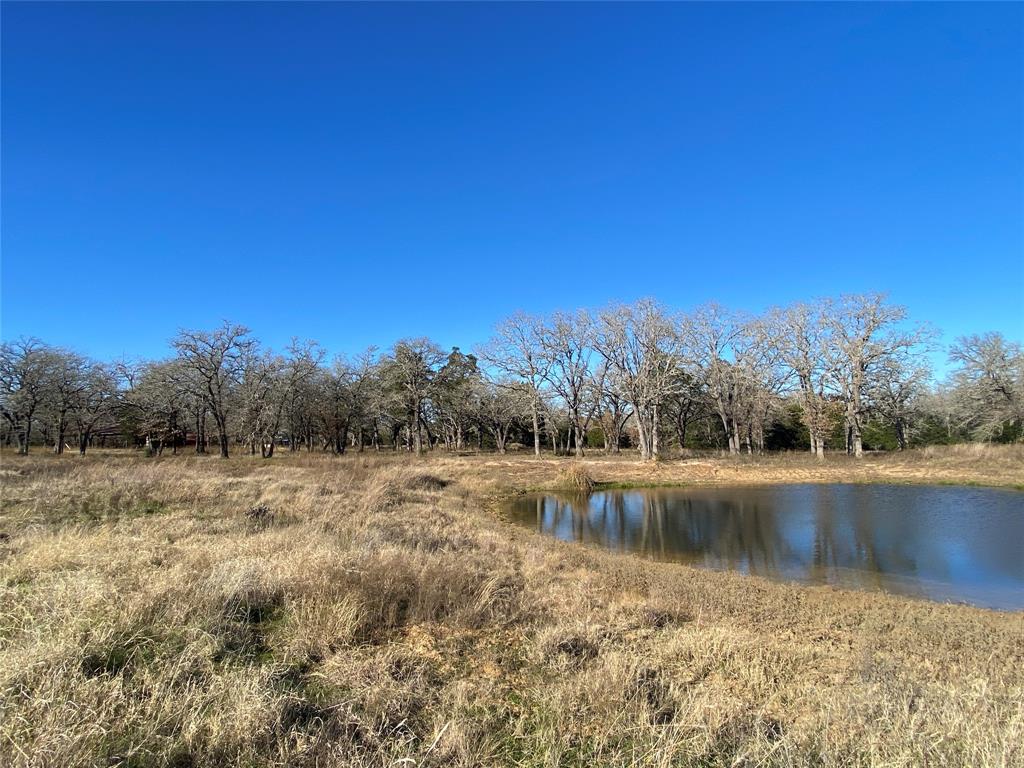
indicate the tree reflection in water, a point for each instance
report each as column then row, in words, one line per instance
column 944, row 543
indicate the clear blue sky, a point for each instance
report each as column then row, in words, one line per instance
column 358, row 173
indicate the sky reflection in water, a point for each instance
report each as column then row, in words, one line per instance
column 941, row 543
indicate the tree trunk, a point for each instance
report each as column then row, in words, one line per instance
column 62, row 427
column 728, row 433
column 430, row 435
column 536, row 429
column 854, row 441
column 853, row 411
column 731, row 436
column 201, row 432
column 682, row 424
column 416, row 438
column 655, row 445
column 641, row 430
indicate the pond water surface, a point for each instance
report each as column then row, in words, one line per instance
column 943, row 543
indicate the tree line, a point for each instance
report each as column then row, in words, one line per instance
column 841, row 374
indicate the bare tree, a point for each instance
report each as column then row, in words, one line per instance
column 68, row 380
column 96, row 403
column 643, row 348
column 365, row 384
column 712, row 335
column 895, row 392
column 761, row 380
column 195, row 405
column 26, row 368
column 218, row 359
column 802, row 331
column 614, row 409
column 260, row 397
column 348, row 401
column 453, row 396
column 501, row 404
column 565, row 344
column 517, row 350
column 287, row 378
column 410, row 369
column 988, row 385
column 155, row 397
column 557, row 422
column 866, row 333
column 336, row 405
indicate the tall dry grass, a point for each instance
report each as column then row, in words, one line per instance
column 575, row 478
column 377, row 612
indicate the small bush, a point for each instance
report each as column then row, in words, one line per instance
column 576, row 478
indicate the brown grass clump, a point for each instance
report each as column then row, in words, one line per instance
column 260, row 517
column 575, row 478
column 426, row 482
column 375, row 611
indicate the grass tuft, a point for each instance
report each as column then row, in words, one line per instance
column 426, row 482
column 260, row 517
column 575, row 478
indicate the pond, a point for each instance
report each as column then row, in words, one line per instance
column 958, row 544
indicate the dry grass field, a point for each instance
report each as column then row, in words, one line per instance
column 376, row 610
